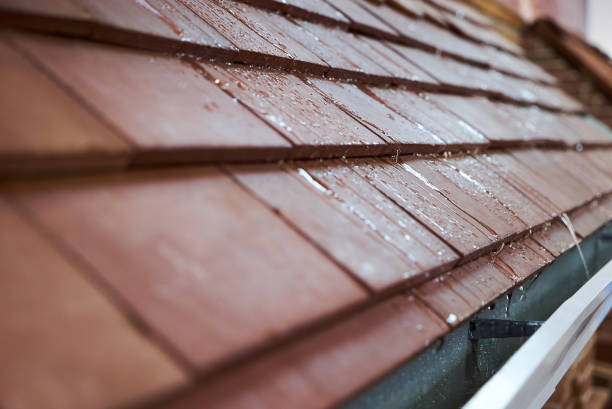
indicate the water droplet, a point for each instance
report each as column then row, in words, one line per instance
column 451, row 319
column 508, row 299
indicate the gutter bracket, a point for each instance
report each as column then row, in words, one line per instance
column 494, row 328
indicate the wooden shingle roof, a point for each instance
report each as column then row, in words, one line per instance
column 240, row 204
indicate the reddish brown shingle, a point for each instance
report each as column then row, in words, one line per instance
column 336, row 48
column 533, row 185
column 589, row 218
column 342, row 213
column 265, row 25
column 294, row 109
column 600, row 159
column 468, row 196
column 564, row 182
column 363, row 21
column 458, row 293
column 480, row 34
column 65, row 8
column 220, row 30
column 455, row 132
column 522, row 259
column 518, row 66
column 464, row 10
column 180, row 245
column 318, row 11
column 381, row 120
column 310, row 273
column 424, row 32
column 555, row 238
column 64, row 134
column 315, row 373
column 394, row 63
column 231, row 28
column 63, row 343
column 421, row 9
column 490, row 183
column 157, row 102
column 496, row 124
column 426, row 204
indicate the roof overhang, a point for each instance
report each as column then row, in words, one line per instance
column 449, row 373
column 530, row 376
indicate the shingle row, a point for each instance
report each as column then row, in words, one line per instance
column 136, row 108
column 252, row 35
column 220, row 264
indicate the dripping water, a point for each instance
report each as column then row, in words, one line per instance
column 508, row 300
column 570, row 227
column 528, row 286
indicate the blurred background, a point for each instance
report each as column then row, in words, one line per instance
column 589, row 18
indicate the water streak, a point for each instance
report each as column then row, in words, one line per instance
column 508, row 299
column 420, row 176
column 312, row 181
column 177, row 30
column 570, row 227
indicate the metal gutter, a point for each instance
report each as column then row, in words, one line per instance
column 530, row 376
column 448, row 373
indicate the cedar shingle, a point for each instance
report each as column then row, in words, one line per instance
column 63, row 8
column 468, row 196
column 231, row 28
column 533, row 185
column 466, row 11
column 456, row 133
column 464, row 290
column 338, row 46
column 315, row 10
column 497, row 124
column 427, row 33
column 190, row 27
column 45, row 128
column 295, row 109
column 325, row 369
column 363, row 21
column 145, row 17
column 264, row 24
column 158, row 102
column 555, row 238
column 297, row 266
column 180, row 249
column 447, row 70
column 63, row 343
column 517, row 65
column 563, row 181
column 357, row 196
column 492, row 184
column 396, row 65
column 589, row 218
column 421, row 200
column 389, row 125
column 522, row 259
column 347, row 225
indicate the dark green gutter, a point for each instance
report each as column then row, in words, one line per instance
column 448, row 373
